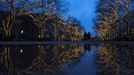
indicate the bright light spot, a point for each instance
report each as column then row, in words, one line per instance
column 22, row 31
column 21, row 50
column 39, row 36
column 39, row 46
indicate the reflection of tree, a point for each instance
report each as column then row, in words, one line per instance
column 115, row 60
column 60, row 56
column 49, row 59
column 39, row 62
column 6, row 59
column 68, row 56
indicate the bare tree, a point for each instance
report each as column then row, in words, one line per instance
column 126, row 9
column 45, row 11
column 13, row 11
column 112, row 14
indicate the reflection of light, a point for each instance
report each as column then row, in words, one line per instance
column 39, row 46
column 22, row 31
column 39, row 36
column 92, row 46
column 21, row 50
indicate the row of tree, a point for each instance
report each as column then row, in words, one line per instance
column 41, row 12
column 114, row 19
column 115, row 59
column 48, row 59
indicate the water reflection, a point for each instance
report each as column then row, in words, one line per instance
column 63, row 59
column 39, row 59
column 115, row 59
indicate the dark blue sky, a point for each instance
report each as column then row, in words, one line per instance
column 84, row 11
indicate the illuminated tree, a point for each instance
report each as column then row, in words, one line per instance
column 112, row 15
column 6, row 60
column 13, row 10
column 44, row 11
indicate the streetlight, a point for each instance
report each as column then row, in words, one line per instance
column 22, row 32
column 39, row 36
column 21, row 50
column 39, row 46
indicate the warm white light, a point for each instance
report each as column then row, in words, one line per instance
column 22, row 31
column 39, row 36
column 21, row 50
column 39, row 46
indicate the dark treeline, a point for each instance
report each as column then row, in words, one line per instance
column 37, row 20
column 87, row 36
column 115, row 20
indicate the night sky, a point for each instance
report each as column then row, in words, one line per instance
column 84, row 11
